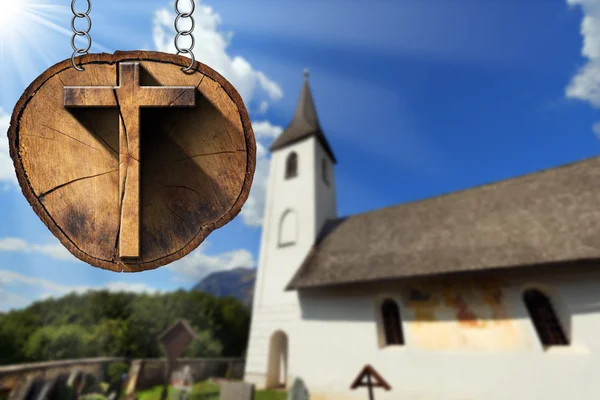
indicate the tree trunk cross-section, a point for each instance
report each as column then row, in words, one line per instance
column 132, row 163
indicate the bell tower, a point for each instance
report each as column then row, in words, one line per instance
column 300, row 199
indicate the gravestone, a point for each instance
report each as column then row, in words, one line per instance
column 182, row 381
column 298, row 391
column 73, row 378
column 47, row 387
column 237, row 391
column 22, row 390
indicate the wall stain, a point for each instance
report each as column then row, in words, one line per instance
column 467, row 313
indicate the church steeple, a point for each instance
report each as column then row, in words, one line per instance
column 304, row 124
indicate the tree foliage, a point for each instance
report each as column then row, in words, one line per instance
column 102, row 323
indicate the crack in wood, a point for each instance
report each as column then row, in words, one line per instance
column 179, row 187
column 206, row 154
column 181, row 218
column 38, row 136
column 70, row 137
column 122, row 120
column 91, row 128
column 201, row 79
column 177, row 98
column 116, row 251
column 73, row 181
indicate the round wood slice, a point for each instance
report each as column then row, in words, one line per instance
column 78, row 168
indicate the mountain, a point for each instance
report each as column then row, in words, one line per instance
column 238, row 282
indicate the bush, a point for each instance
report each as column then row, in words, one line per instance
column 115, row 371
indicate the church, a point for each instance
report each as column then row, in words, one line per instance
column 487, row 293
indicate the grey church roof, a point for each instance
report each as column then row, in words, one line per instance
column 546, row 218
column 304, row 124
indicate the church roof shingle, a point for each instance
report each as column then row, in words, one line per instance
column 304, row 124
column 543, row 218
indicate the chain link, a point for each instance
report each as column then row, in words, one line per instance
column 180, row 33
column 85, row 33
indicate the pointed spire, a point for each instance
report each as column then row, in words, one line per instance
column 306, row 112
column 305, row 122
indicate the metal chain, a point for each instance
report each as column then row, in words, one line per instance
column 76, row 32
column 188, row 32
column 86, row 33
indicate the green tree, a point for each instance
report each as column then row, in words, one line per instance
column 204, row 345
column 58, row 343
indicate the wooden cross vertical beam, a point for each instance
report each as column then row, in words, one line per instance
column 129, row 97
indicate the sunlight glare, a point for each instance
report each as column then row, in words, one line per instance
column 30, row 34
column 11, row 14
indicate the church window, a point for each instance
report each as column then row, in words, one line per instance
column 291, row 166
column 325, row 172
column 544, row 318
column 288, row 228
column 391, row 322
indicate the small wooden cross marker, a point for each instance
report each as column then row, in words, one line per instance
column 365, row 379
column 128, row 96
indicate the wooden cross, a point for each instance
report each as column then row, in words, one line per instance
column 369, row 373
column 128, row 96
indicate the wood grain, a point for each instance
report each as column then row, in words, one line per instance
column 132, row 163
column 129, row 97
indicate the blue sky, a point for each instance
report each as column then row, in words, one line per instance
column 417, row 98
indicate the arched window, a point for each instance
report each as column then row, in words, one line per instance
column 544, row 318
column 391, row 323
column 291, row 166
column 325, row 171
column 288, row 228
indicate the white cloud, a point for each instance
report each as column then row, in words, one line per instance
column 585, row 85
column 264, row 106
column 264, row 130
column 12, row 299
column 7, row 170
column 211, row 49
column 198, row 264
column 596, row 129
column 56, row 250
column 253, row 211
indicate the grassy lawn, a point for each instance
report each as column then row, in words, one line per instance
column 208, row 391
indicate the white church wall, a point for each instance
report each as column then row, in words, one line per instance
column 295, row 195
column 312, row 202
column 485, row 357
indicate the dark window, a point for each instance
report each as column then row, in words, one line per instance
column 291, row 166
column 324, row 168
column 391, row 322
column 544, row 319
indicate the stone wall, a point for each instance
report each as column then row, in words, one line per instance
column 152, row 371
column 12, row 375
